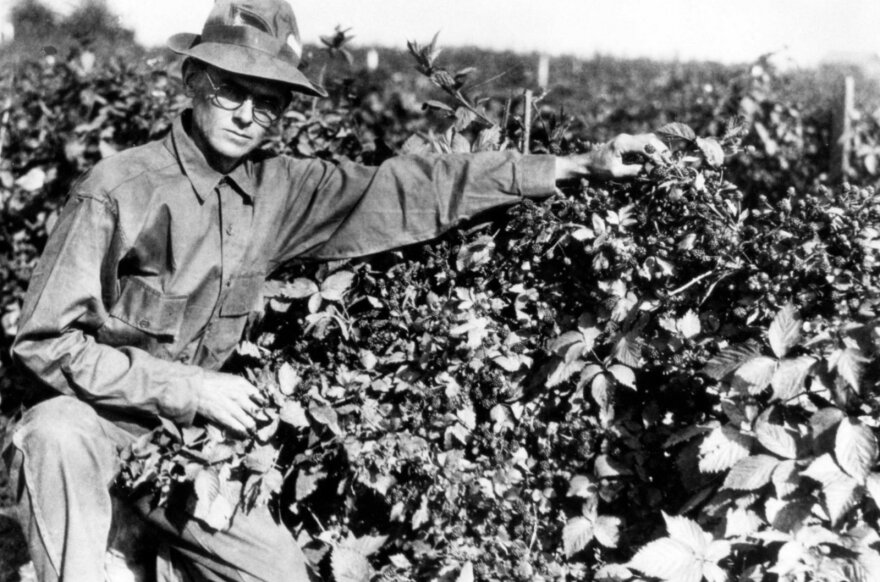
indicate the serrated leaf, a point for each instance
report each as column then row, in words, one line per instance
column 350, row 566
column 850, row 365
column 668, row 559
column 675, row 131
column 366, row 545
column 307, row 483
column 786, row 479
column 777, row 440
column 576, row 534
column 689, row 325
column 722, row 448
column 624, row 375
column 742, row 522
column 751, row 473
column 855, row 449
column 728, row 360
column 335, row 286
column 325, row 415
column 785, row 331
column 712, row 151
column 607, row 530
column 838, row 488
column 754, row 375
column 211, row 506
column 628, row 351
column 688, row 532
column 790, row 375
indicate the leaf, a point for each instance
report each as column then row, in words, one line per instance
column 790, row 376
column 668, row 559
column 488, row 139
column 581, row 486
column 623, row 375
column 576, row 534
column 288, row 379
column 463, row 118
column 325, row 415
column 33, row 180
column 467, row 573
column 416, row 145
column 850, row 365
column 777, row 440
column 607, row 530
column 475, row 254
column 675, row 131
column 366, row 545
column 786, row 478
column 723, row 448
column 689, row 325
column 350, row 566
column 433, row 104
column 855, row 449
column 712, row 151
column 307, row 483
column 211, row 506
column 755, row 375
column 785, row 331
column 300, row 288
column 838, row 488
column 688, row 532
column 872, row 484
column 751, row 473
column 294, row 414
column 335, row 286
column 628, row 351
column 729, row 360
column 261, row 459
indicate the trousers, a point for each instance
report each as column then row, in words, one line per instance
column 63, row 459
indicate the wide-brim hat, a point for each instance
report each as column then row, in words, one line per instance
column 255, row 38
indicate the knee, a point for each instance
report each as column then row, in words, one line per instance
column 62, row 427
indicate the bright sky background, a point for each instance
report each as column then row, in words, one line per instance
column 723, row 30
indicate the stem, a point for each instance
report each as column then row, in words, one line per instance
column 527, row 121
column 4, row 120
column 690, row 283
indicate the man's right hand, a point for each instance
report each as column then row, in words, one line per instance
column 230, row 401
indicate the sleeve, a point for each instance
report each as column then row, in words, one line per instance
column 349, row 210
column 65, row 306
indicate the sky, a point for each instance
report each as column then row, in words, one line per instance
column 733, row 31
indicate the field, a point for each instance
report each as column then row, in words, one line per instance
column 671, row 378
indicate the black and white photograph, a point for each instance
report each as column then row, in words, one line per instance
column 462, row 291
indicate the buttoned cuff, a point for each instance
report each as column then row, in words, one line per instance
column 536, row 175
column 180, row 400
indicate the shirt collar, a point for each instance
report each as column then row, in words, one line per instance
column 201, row 175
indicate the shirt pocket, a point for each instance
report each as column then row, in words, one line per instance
column 143, row 314
column 243, row 295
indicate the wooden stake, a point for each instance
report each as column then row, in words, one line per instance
column 527, row 121
column 841, row 131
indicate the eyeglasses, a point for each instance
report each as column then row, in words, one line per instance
column 230, row 97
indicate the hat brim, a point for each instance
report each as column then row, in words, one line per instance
column 244, row 61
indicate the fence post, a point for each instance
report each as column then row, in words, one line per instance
column 372, row 59
column 527, row 121
column 544, row 71
column 841, row 130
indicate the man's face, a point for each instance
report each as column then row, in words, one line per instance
column 229, row 114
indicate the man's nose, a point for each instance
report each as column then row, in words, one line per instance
column 244, row 114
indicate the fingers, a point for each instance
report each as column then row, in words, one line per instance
column 627, row 170
column 231, row 401
column 646, row 144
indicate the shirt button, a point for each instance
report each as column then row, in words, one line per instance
column 229, row 229
column 229, row 283
column 144, row 323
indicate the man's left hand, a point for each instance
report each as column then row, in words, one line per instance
column 606, row 161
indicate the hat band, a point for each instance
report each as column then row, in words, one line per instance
column 248, row 37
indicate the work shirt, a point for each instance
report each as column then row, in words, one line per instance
column 157, row 259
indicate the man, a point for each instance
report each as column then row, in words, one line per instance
column 147, row 280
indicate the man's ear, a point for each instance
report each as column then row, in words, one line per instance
column 189, row 71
